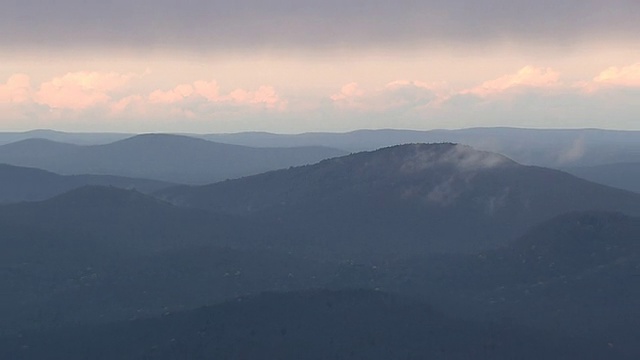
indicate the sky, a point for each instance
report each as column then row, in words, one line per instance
column 290, row 66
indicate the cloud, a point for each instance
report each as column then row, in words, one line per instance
column 529, row 97
column 178, row 94
column 400, row 95
column 527, row 77
column 207, row 89
column 16, row 90
column 80, row 90
column 204, row 24
column 623, row 76
column 265, row 96
column 209, row 92
column 199, row 100
column 348, row 92
column 135, row 104
column 109, row 96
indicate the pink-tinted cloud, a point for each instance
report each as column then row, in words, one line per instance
column 200, row 90
column 178, row 94
column 207, row 89
column 264, row 96
column 400, row 94
column 80, row 90
column 626, row 76
column 16, row 90
column 612, row 78
column 132, row 103
column 527, row 77
column 348, row 91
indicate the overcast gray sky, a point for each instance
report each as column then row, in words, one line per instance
column 305, row 23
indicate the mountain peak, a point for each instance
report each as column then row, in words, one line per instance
column 420, row 157
column 416, row 159
column 163, row 139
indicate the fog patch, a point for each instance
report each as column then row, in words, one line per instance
column 445, row 193
column 497, row 202
column 461, row 157
column 574, row 152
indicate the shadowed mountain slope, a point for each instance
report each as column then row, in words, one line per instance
column 577, row 273
column 405, row 200
column 308, row 325
column 171, row 158
column 103, row 254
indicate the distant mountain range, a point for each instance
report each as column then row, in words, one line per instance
column 29, row 184
column 64, row 137
column 542, row 147
column 308, row 325
column 620, row 175
column 592, row 153
column 557, row 148
column 169, row 158
column 405, row 200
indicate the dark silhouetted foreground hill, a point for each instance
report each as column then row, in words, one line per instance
column 578, row 273
column 171, row 158
column 30, row 184
column 405, row 200
column 308, row 325
column 104, row 254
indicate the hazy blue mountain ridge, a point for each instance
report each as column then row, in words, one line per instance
column 542, row 147
column 30, row 184
column 621, row 175
column 171, row 158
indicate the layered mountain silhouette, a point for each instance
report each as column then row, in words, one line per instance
column 556, row 148
column 171, row 158
column 30, row 184
column 405, row 200
column 306, row 325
